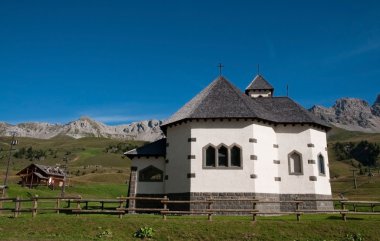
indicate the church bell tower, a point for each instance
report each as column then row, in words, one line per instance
column 259, row 87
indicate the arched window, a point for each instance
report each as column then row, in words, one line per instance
column 210, row 156
column 223, row 156
column 151, row 174
column 295, row 163
column 321, row 165
column 235, row 156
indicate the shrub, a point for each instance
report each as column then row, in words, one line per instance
column 104, row 234
column 353, row 237
column 144, row 232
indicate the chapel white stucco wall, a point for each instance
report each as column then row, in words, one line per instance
column 318, row 139
column 149, row 187
column 270, row 146
column 264, row 167
column 298, row 138
column 178, row 165
column 222, row 179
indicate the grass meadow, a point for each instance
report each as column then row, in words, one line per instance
column 104, row 227
column 98, row 173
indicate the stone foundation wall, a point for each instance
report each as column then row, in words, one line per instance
column 230, row 201
column 263, row 207
column 309, row 205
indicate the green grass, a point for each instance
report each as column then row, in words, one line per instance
column 341, row 171
column 97, row 174
column 104, row 190
column 89, row 227
column 337, row 134
column 88, row 161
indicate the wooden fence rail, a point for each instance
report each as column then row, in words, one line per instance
column 37, row 204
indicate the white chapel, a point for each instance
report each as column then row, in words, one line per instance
column 229, row 143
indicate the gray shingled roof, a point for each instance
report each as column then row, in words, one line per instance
column 259, row 83
column 157, row 148
column 221, row 99
column 285, row 110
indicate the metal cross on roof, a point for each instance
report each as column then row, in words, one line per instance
column 258, row 69
column 220, row 66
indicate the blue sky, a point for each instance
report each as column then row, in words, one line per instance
column 122, row 61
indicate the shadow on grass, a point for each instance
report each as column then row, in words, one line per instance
column 340, row 218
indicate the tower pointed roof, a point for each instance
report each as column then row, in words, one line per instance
column 259, row 83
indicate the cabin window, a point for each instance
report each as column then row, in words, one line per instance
column 151, row 174
column 235, row 156
column 210, row 156
column 223, row 156
column 321, row 165
column 295, row 163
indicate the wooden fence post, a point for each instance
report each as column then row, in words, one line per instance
column 35, row 206
column 121, row 204
column 209, row 206
column 57, row 205
column 78, row 204
column 165, row 206
column 17, row 207
column 254, row 211
column 297, row 211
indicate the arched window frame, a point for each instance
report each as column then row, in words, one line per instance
column 290, row 164
column 205, row 156
column 230, row 155
column 229, row 165
column 321, row 164
column 151, row 167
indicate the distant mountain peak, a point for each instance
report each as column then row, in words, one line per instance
column 147, row 130
column 352, row 114
column 376, row 106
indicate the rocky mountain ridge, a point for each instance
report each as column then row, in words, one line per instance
column 348, row 113
column 147, row 130
column 351, row 114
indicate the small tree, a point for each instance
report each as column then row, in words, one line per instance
column 366, row 153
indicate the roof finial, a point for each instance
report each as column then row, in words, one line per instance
column 220, row 66
column 287, row 90
column 258, row 69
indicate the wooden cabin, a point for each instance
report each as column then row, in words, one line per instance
column 35, row 175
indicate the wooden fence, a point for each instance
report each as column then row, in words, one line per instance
column 77, row 205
